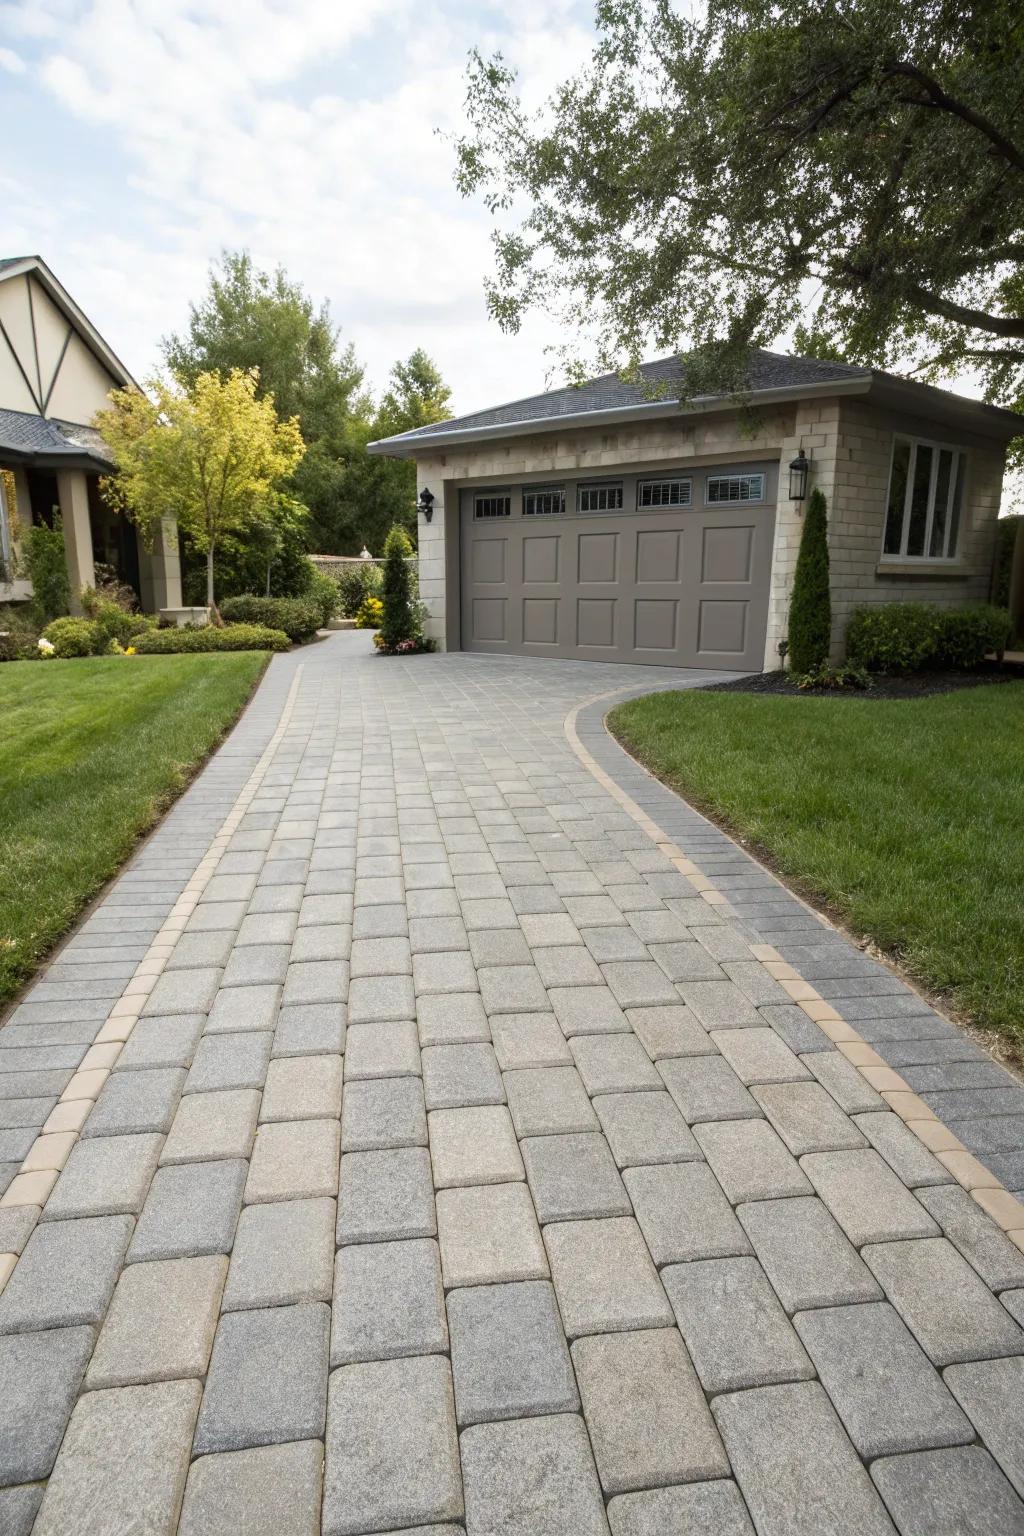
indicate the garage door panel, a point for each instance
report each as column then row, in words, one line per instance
column 489, row 620
column 655, row 624
column 598, row 558
column 727, row 555
column 541, row 558
column 540, row 620
column 722, row 627
column 595, row 621
column 489, row 561
column 658, row 553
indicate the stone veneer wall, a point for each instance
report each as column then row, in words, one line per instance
column 849, row 444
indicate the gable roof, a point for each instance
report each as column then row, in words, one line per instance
column 773, row 376
column 35, row 266
column 47, row 443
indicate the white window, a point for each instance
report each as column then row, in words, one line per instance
column 489, row 505
column 600, row 498
column 544, row 501
column 724, row 489
column 926, row 487
column 664, row 493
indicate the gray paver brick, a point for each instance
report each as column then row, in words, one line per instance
column 302, row 1088
column 183, row 991
column 585, row 1010
column 271, row 1491
column 377, row 999
column 445, row 971
column 648, row 1420
column 991, row 1393
column 316, row 981
column 385, row 1195
column 887, row 1393
column 970, row 1229
column 190, row 1210
column 549, row 1101
column 499, row 946
column 528, row 1040
column 123, row 1463
column 795, row 1466
column 19, row 1507
column 229, row 1061
column 244, row 1008
column 750, row 1161
column 382, row 1050
column 908, row 1157
column 388, row 1302
column 960, row 1490
column 805, row 1254
column 392, row 1452
column 645, row 1128
column 509, row 1355
column 604, row 1278
column 947, row 1307
column 17, row 1223
column 389, row 956
column 489, row 1234
column 475, row 1145
column 532, row 1477
column 383, row 1112
column 759, row 1056
column 683, row 1213
column 688, row 1511
column 639, row 984
column 458, row 1075
column 267, row 1381
column 573, row 1176
column 323, row 941
column 842, row 1080
column 719, row 1004
column 666, row 1032
column 160, row 1324
column 452, row 1018
column 735, row 1328
column 310, row 1029
column 807, row 1118
column 283, row 1254
column 211, row 1126
column 162, row 1042
column 512, row 989
column 41, row 1373
column 686, row 960
column 107, row 1176
column 613, row 1064
column 706, row 1088
column 614, row 944
column 254, row 963
column 566, row 965
column 867, row 1199
column 294, row 1160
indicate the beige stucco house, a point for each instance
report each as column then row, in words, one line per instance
column 56, row 372
column 610, row 522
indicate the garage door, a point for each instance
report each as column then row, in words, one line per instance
column 671, row 570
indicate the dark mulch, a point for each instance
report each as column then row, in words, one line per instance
column 921, row 686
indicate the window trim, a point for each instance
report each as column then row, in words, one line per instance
column 600, row 485
column 958, row 475
column 737, row 474
column 665, row 506
column 491, row 495
column 544, row 490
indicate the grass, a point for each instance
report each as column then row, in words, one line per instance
column 904, row 818
column 91, row 752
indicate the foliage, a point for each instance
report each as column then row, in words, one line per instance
column 1007, row 532
column 357, row 582
column 114, row 620
column 213, row 457
column 46, row 567
column 828, row 675
column 75, row 637
column 91, row 754
column 270, row 550
column 911, row 637
column 810, row 606
column 19, row 631
column 399, row 620
column 903, row 816
column 298, row 617
column 226, row 637
column 370, row 614
column 719, row 174
column 323, row 592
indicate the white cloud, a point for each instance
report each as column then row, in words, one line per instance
column 12, row 62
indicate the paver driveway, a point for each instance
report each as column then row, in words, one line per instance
column 465, row 1167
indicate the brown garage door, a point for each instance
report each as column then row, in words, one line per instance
column 670, row 569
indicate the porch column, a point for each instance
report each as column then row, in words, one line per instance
column 73, row 495
column 160, row 569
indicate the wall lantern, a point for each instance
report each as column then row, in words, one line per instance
column 798, row 477
column 426, row 503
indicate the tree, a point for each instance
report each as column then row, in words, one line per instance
column 416, row 396
column 850, row 171
column 398, row 621
column 213, row 457
column 810, row 605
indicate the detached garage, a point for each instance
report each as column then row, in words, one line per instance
column 611, row 522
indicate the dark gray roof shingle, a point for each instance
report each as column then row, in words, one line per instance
column 22, row 433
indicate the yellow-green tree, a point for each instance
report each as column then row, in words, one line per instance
column 212, row 456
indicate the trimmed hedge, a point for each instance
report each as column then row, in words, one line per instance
column 75, row 637
column 232, row 637
column 901, row 638
column 298, row 617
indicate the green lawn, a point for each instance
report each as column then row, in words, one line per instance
column 905, row 818
column 91, row 752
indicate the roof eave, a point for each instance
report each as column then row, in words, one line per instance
column 923, row 399
column 403, row 447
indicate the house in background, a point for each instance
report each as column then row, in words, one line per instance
column 56, row 372
column 611, row 522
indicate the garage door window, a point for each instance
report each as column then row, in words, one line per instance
column 730, row 490
column 600, row 498
column 545, row 501
column 664, row 493
column 492, row 506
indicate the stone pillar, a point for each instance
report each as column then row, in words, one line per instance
column 431, row 544
column 160, row 569
column 73, row 495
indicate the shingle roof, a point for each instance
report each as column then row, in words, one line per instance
column 768, row 371
column 25, row 435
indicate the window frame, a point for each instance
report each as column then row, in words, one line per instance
column 544, row 490
column 665, row 506
column 739, row 501
column 959, row 462
column 492, row 495
column 600, row 485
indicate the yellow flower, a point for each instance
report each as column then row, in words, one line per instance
column 129, row 650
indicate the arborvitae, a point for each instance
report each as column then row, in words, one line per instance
column 398, row 620
column 810, row 607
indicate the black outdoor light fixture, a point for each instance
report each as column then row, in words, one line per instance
column 798, row 468
column 426, row 503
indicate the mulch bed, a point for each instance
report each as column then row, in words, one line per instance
column 921, row 686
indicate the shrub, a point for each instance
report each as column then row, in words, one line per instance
column 323, row 594
column 829, row 676
column 810, row 607
column 357, row 582
column 298, row 617
column 47, row 570
column 370, row 613
column 399, row 619
column 230, row 637
column 75, row 637
column 967, row 635
column 114, row 620
column 1006, row 537
column 19, row 634
column 894, row 637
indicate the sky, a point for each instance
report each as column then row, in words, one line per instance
column 151, row 134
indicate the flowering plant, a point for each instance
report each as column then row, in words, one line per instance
column 46, row 647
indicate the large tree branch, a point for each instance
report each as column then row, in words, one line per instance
column 946, row 103
column 1011, row 326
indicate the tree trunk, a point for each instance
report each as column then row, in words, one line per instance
column 214, row 615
